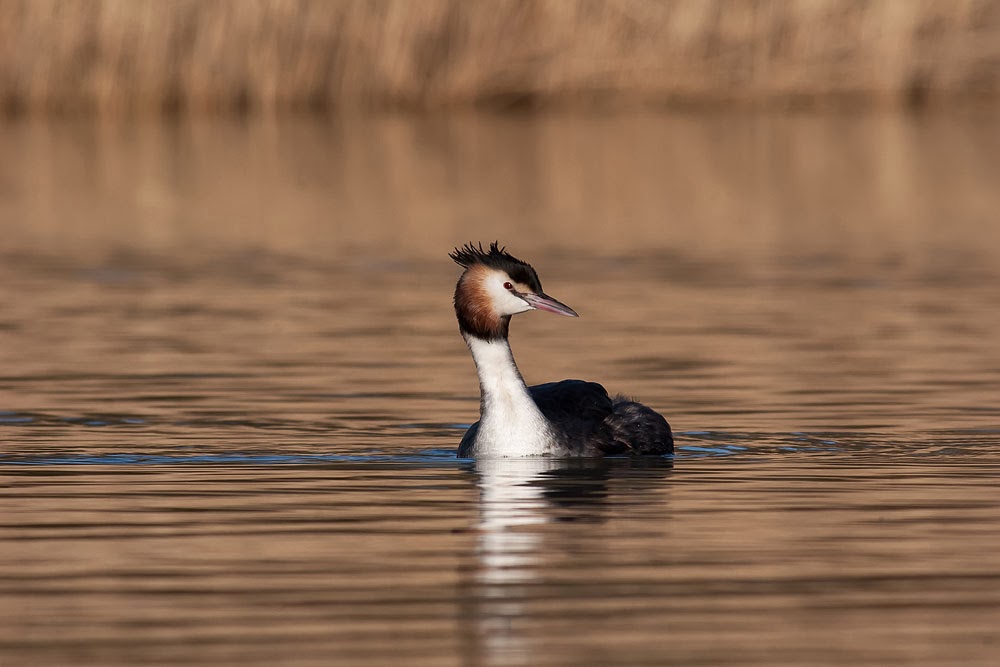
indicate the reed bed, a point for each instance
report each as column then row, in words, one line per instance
column 114, row 56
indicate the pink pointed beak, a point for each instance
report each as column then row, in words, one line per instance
column 547, row 303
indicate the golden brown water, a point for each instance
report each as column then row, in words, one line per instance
column 231, row 385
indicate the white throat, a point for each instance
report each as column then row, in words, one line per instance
column 510, row 423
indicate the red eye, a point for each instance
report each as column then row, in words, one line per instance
column 508, row 286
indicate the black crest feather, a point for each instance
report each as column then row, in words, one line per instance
column 470, row 254
column 497, row 257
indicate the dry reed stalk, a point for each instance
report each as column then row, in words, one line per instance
column 140, row 55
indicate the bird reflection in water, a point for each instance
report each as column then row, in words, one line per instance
column 522, row 503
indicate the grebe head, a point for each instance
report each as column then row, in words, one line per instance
column 494, row 286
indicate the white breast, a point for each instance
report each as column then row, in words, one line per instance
column 510, row 424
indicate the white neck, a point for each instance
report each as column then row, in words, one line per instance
column 510, row 423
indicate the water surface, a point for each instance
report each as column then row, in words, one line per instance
column 231, row 386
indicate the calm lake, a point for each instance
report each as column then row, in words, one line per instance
column 231, row 387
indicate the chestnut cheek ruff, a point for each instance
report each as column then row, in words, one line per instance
column 475, row 317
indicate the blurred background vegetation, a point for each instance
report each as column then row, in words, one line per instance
column 128, row 56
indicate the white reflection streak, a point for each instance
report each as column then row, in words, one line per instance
column 508, row 552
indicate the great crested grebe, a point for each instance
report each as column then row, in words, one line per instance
column 567, row 418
